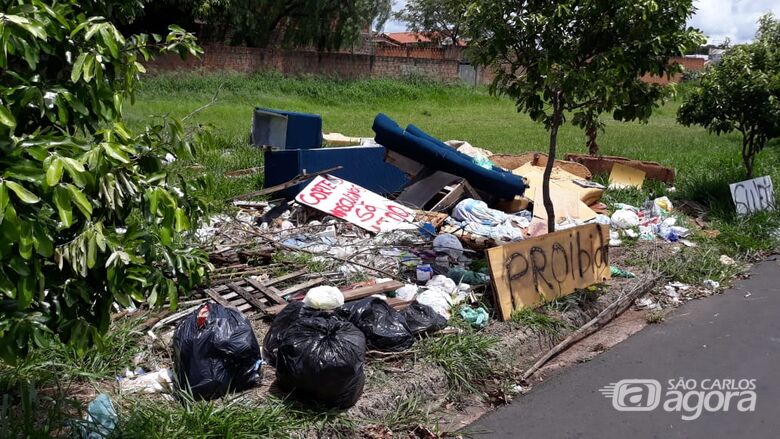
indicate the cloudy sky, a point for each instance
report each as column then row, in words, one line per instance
column 718, row 19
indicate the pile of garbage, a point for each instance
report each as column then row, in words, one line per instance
column 417, row 251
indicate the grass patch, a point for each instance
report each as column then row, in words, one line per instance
column 56, row 361
column 465, row 358
column 654, row 317
column 695, row 265
column 539, row 322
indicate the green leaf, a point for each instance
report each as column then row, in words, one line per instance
column 87, row 71
column 44, row 244
column 6, row 118
column 54, row 172
column 25, row 291
column 3, row 200
column 78, row 67
column 62, row 202
column 91, row 251
column 26, row 240
column 24, row 195
column 182, row 222
column 115, row 153
column 110, row 42
column 80, row 200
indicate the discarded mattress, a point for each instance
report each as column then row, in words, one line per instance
column 426, row 149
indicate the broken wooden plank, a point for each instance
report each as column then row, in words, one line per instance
column 405, row 164
column 217, row 298
column 285, row 278
column 294, row 182
column 303, row 286
column 247, row 296
column 359, row 293
column 269, row 292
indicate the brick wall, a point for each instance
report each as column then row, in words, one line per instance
column 440, row 64
column 689, row 64
column 394, row 62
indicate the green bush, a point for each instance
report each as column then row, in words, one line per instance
column 89, row 215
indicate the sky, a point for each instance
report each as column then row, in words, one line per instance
column 718, row 19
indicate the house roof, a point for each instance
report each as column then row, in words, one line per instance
column 404, row 38
column 408, row 37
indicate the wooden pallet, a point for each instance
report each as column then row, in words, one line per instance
column 252, row 297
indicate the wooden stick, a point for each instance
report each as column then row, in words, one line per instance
column 613, row 310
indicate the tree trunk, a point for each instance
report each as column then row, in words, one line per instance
column 593, row 147
column 748, row 154
column 556, row 123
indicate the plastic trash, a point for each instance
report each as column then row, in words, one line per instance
column 100, row 420
column 439, row 300
column 406, row 292
column 467, row 276
column 424, row 272
column 384, row 327
column 725, row 260
column 711, row 284
column 443, row 283
column 663, row 204
column 324, row 297
column 321, row 358
column 422, row 319
column 148, row 383
column 215, row 351
column 449, row 245
column 289, row 315
column 617, row 272
column 625, row 219
column 477, row 317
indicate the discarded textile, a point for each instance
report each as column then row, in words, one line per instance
column 467, row 276
column 215, row 351
column 477, row 317
column 449, row 245
column 321, row 358
column 422, row 319
column 385, row 329
column 476, row 217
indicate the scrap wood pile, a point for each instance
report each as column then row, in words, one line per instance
column 377, row 272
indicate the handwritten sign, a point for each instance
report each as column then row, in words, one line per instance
column 354, row 204
column 754, row 195
column 537, row 270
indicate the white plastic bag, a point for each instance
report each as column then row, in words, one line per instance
column 625, row 219
column 324, row 297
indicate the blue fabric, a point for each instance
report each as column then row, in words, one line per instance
column 426, row 149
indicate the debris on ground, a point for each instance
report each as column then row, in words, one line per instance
column 343, row 269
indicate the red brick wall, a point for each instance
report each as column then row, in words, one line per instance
column 689, row 64
column 439, row 65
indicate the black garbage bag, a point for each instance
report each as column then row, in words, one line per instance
column 422, row 319
column 289, row 315
column 215, row 352
column 385, row 329
column 321, row 358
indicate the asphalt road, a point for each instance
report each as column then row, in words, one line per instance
column 734, row 336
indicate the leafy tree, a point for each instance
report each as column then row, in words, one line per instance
column 579, row 58
column 439, row 20
column 742, row 93
column 324, row 24
column 89, row 215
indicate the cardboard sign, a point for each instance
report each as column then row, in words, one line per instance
column 531, row 272
column 754, row 195
column 354, row 204
column 623, row 177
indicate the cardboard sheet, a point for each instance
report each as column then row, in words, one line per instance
column 626, row 177
column 753, row 195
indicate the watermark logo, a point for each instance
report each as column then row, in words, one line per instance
column 634, row 395
column 689, row 397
